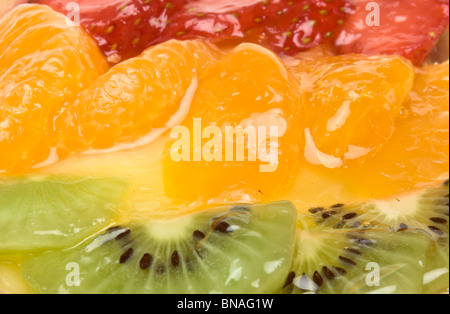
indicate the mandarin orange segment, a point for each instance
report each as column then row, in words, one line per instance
column 429, row 97
column 415, row 157
column 135, row 97
column 417, row 154
column 353, row 102
column 249, row 88
column 44, row 63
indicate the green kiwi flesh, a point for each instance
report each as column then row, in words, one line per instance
column 39, row 213
column 388, row 247
column 359, row 262
column 240, row 249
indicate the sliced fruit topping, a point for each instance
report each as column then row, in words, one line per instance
column 426, row 211
column 227, row 250
column 358, row 262
column 54, row 212
column 403, row 242
column 407, row 28
column 122, row 28
column 44, row 63
column 241, row 134
column 281, row 25
column 421, row 139
column 352, row 105
column 125, row 28
column 151, row 92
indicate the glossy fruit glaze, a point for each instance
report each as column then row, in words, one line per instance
column 353, row 127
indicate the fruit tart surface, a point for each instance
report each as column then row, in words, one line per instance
column 237, row 147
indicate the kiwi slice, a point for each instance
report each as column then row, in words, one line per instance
column 398, row 246
column 358, row 262
column 426, row 210
column 240, row 249
column 45, row 212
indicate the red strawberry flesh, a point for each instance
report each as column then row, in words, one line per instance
column 281, row 25
column 409, row 28
column 122, row 28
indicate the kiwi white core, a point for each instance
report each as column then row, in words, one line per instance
column 401, row 206
column 309, row 243
column 176, row 229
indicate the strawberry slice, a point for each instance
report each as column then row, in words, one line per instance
column 281, row 25
column 122, row 28
column 306, row 24
column 409, row 28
